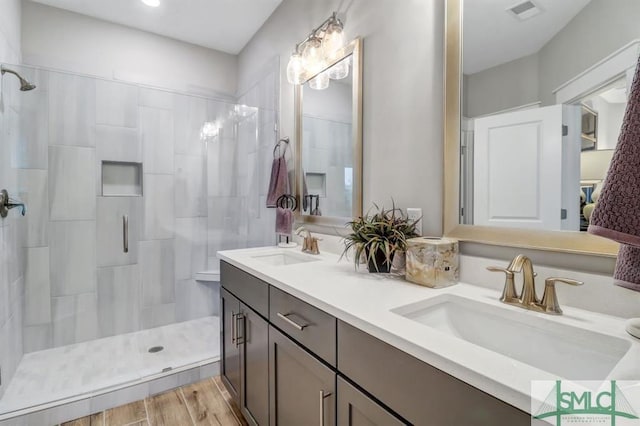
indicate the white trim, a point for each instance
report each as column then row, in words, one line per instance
column 603, row 72
column 523, row 107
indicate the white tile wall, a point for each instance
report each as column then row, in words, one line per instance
column 37, row 310
column 72, row 110
column 34, row 191
column 190, row 194
column 75, row 318
column 158, row 214
column 157, row 272
column 116, row 104
column 72, row 257
column 190, row 247
column 72, row 189
column 156, row 134
column 118, row 300
column 118, row 144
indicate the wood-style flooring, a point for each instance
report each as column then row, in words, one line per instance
column 206, row 403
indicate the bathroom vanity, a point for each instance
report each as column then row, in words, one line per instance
column 308, row 340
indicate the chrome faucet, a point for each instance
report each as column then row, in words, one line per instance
column 528, row 298
column 310, row 243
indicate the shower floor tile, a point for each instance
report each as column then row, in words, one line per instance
column 89, row 367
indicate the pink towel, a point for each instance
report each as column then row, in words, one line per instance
column 284, row 221
column 279, row 183
column 617, row 214
column 627, row 272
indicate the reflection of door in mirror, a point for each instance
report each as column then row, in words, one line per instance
column 534, row 96
column 327, row 154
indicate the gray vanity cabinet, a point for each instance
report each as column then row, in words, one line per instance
column 357, row 409
column 302, row 389
column 415, row 390
column 254, row 366
column 245, row 346
column 230, row 351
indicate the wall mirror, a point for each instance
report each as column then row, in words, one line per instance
column 328, row 120
column 535, row 95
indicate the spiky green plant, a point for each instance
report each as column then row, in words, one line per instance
column 385, row 231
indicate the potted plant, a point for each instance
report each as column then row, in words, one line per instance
column 379, row 236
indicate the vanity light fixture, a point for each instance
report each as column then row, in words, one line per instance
column 151, row 3
column 315, row 52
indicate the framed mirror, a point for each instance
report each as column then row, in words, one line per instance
column 532, row 113
column 328, row 119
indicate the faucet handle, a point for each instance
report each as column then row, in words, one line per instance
column 549, row 301
column 509, row 294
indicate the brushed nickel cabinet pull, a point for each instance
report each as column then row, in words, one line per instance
column 239, row 326
column 125, row 233
column 323, row 396
column 291, row 322
column 233, row 327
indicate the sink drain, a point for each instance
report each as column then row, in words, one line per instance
column 155, row 349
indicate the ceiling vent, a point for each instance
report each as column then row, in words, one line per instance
column 525, row 10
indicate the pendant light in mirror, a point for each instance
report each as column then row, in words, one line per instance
column 339, row 70
column 320, row 81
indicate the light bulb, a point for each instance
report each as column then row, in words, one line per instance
column 320, row 81
column 209, row 130
column 312, row 56
column 151, row 3
column 339, row 70
column 333, row 39
column 295, row 69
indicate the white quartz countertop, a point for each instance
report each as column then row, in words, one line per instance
column 366, row 301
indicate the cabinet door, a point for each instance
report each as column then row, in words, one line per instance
column 357, row 409
column 229, row 346
column 254, row 354
column 301, row 388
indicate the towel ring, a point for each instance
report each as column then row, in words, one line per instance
column 287, row 202
column 279, row 146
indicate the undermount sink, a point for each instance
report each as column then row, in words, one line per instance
column 567, row 351
column 282, row 258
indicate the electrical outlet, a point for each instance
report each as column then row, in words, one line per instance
column 414, row 213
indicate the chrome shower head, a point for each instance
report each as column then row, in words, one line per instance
column 25, row 85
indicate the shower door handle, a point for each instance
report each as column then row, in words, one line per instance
column 125, row 233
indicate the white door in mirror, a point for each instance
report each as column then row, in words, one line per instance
column 518, row 169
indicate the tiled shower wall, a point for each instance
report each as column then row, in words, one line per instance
column 79, row 283
column 11, row 229
column 239, row 169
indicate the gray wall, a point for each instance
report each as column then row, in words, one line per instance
column 506, row 86
column 12, row 230
column 402, row 91
column 601, row 28
column 63, row 40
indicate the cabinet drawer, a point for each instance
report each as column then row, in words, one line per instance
column 311, row 327
column 415, row 390
column 252, row 291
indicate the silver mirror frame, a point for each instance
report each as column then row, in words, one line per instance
column 557, row 241
column 353, row 48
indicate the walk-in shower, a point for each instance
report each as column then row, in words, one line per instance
column 128, row 201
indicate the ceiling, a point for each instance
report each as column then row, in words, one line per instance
column 494, row 36
column 225, row 25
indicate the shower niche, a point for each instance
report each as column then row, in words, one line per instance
column 121, row 179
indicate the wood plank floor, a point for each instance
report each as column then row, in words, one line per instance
column 206, row 403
